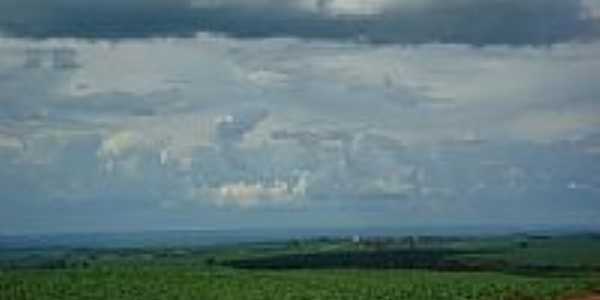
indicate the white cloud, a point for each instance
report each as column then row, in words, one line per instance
column 146, row 67
column 547, row 126
column 267, row 78
column 118, row 143
column 359, row 114
column 417, row 91
column 345, row 7
column 593, row 8
column 245, row 194
column 11, row 142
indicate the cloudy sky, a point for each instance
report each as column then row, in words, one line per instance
column 214, row 114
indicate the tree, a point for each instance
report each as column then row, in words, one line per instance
column 210, row 261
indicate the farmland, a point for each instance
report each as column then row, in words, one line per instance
column 507, row 267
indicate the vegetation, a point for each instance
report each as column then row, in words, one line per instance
column 374, row 268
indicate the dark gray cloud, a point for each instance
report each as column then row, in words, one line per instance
column 515, row 22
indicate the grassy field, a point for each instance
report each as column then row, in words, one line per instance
column 508, row 268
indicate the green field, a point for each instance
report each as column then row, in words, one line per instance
column 505, row 268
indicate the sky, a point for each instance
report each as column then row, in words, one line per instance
column 236, row 114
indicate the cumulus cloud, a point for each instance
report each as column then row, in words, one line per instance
column 244, row 194
column 223, row 122
column 118, row 143
column 533, row 22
